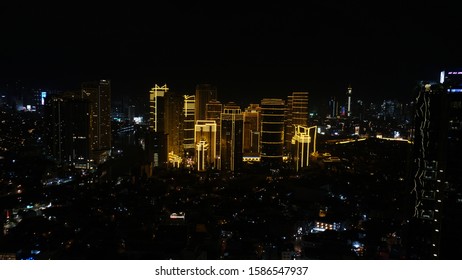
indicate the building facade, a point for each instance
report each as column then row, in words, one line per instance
column 251, row 135
column 156, row 141
column 205, row 139
column 272, row 131
column 232, row 127
column 68, row 129
column 188, row 129
column 303, row 145
column 204, row 93
column 174, row 123
column 296, row 114
column 99, row 95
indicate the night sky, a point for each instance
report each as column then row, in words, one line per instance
column 248, row 51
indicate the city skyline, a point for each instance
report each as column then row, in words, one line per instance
column 319, row 130
column 346, row 182
column 247, row 52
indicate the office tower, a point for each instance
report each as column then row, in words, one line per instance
column 288, row 126
column 303, row 145
column 297, row 114
column 349, row 92
column 68, row 127
column 452, row 199
column 251, row 135
column 156, row 147
column 453, row 86
column 205, row 139
column 213, row 112
column 188, row 128
column 232, row 126
column 272, row 131
column 99, row 95
column 333, row 107
column 174, row 123
column 157, row 108
column 300, row 108
column 428, row 172
column 204, row 93
column 157, row 139
column 436, row 178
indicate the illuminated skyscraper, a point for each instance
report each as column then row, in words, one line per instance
column 252, row 130
column 99, row 95
column 296, row 114
column 188, row 128
column 303, row 145
column 156, row 141
column 157, row 108
column 453, row 87
column 205, row 139
column 453, row 218
column 288, row 125
column 272, row 131
column 429, row 155
column 174, row 122
column 437, row 181
column 349, row 92
column 300, row 108
column 213, row 112
column 204, row 93
column 232, row 125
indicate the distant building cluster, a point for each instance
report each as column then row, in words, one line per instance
column 196, row 130
column 208, row 135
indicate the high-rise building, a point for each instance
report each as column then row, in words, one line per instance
column 174, row 123
column 157, row 108
column 252, row 130
column 272, row 131
column 156, row 147
column 288, row 125
column 204, row 93
column 436, row 177
column 157, row 138
column 232, row 126
column 99, row 95
column 296, row 114
column 213, row 112
column 349, row 92
column 205, row 139
column 453, row 86
column 333, row 107
column 303, row 145
column 188, row 128
column 300, row 108
column 68, row 128
column 428, row 172
column 452, row 201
